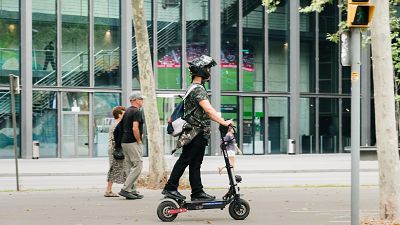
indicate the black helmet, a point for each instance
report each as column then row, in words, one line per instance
column 201, row 66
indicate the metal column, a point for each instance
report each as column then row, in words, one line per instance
column 215, row 51
column 294, row 68
column 126, row 51
column 26, row 79
column 355, row 125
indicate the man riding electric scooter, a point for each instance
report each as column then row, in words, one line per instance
column 198, row 113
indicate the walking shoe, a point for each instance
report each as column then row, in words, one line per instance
column 173, row 194
column 202, row 196
column 128, row 195
column 136, row 193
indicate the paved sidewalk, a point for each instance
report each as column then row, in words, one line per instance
column 257, row 171
column 271, row 206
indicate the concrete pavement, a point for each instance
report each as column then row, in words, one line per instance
column 271, row 206
column 281, row 189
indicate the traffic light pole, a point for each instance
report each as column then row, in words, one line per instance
column 355, row 124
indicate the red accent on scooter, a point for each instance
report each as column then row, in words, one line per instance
column 176, row 211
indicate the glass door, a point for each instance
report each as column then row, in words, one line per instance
column 75, row 134
column 253, row 125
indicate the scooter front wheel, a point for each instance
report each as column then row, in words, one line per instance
column 162, row 211
column 239, row 209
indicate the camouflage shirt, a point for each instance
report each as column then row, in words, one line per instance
column 194, row 114
column 197, row 118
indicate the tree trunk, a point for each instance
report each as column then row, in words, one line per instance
column 386, row 135
column 157, row 165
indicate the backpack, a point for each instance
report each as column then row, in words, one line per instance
column 176, row 122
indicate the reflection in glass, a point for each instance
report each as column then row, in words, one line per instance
column 328, row 125
column 328, row 51
column 346, row 122
column 229, row 45
column 44, row 43
column 258, row 125
column 75, row 101
column 103, row 118
column 107, row 43
column 230, row 110
column 166, row 105
column 44, row 129
column 197, row 31
column 253, row 46
column 307, row 49
column 307, row 125
column 75, row 134
column 169, row 46
column 9, row 39
column 278, row 49
column 6, row 127
column 248, row 130
column 278, row 120
column 75, row 51
column 307, row 71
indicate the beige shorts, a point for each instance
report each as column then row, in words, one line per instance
column 231, row 153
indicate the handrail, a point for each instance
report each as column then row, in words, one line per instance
column 54, row 71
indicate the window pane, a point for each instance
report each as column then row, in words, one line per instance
column 328, row 51
column 278, row 49
column 253, row 46
column 229, row 45
column 278, row 120
column 307, row 125
column 103, row 105
column 9, row 39
column 107, row 43
column 44, row 128
column 169, row 45
column 6, row 126
column 44, row 43
column 197, row 31
column 307, row 49
column 328, row 125
column 346, row 122
column 75, row 39
column 75, row 101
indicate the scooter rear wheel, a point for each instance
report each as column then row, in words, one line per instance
column 239, row 209
column 162, row 211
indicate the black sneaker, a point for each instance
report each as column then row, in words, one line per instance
column 173, row 194
column 128, row 195
column 136, row 193
column 202, row 196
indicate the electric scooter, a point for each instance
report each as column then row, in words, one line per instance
column 239, row 209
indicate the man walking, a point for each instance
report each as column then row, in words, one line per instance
column 132, row 124
column 49, row 56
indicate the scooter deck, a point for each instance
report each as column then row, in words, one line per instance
column 204, row 201
column 209, row 204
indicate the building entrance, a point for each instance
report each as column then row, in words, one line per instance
column 75, row 134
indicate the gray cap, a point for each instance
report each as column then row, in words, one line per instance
column 135, row 95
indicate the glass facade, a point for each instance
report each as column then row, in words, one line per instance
column 77, row 79
column 278, row 49
column 75, row 42
column 44, row 43
column 9, row 64
column 107, row 42
column 44, row 128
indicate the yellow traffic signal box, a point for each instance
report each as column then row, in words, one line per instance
column 359, row 13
